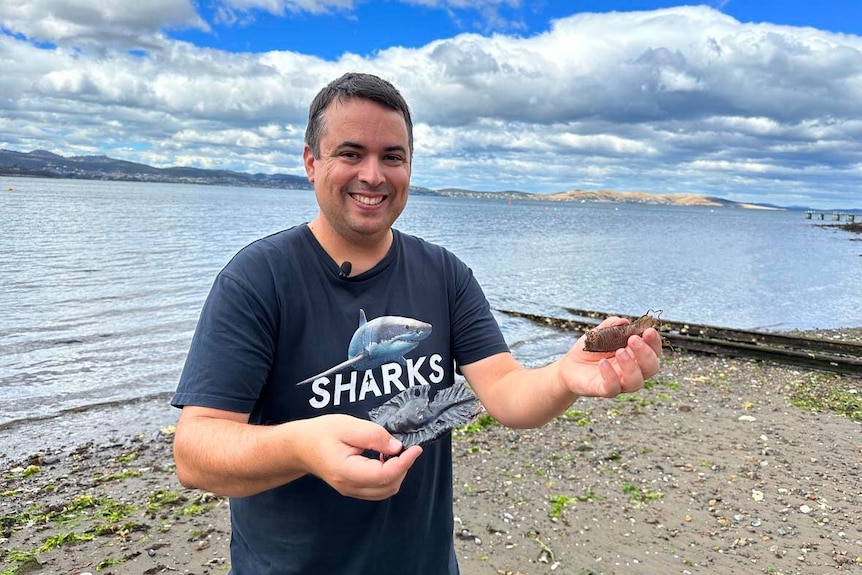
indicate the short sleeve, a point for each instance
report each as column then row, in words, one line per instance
column 475, row 333
column 232, row 349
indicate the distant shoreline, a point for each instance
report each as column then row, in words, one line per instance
column 273, row 182
column 44, row 164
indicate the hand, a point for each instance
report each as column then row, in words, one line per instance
column 594, row 374
column 335, row 454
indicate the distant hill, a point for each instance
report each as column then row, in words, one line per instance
column 43, row 164
column 646, row 198
column 40, row 163
column 609, row 196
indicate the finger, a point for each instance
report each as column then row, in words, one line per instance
column 376, row 480
column 645, row 356
column 400, row 464
column 653, row 338
column 612, row 384
column 630, row 375
column 376, row 472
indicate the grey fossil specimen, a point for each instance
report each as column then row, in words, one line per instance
column 415, row 417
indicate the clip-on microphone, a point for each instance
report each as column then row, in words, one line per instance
column 344, row 270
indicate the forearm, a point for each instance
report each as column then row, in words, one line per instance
column 519, row 397
column 234, row 458
column 524, row 398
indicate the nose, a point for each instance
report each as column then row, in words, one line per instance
column 371, row 172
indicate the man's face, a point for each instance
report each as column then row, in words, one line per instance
column 362, row 176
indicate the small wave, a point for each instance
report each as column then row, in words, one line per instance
column 13, row 423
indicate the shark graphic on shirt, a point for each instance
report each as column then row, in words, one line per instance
column 381, row 340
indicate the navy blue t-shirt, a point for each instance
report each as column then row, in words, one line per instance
column 279, row 314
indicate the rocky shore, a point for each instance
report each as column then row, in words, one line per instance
column 719, row 464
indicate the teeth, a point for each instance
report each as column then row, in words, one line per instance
column 368, row 201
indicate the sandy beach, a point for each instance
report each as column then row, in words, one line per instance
column 719, row 465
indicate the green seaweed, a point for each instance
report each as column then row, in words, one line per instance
column 105, row 563
column 62, row 539
column 639, row 497
column 31, row 470
column 560, row 502
column 820, row 392
column 478, row 424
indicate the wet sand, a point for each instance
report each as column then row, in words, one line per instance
column 720, row 464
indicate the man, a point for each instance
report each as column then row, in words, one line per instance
column 275, row 418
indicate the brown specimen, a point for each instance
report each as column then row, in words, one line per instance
column 617, row 336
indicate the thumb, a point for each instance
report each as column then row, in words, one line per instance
column 370, row 435
column 612, row 321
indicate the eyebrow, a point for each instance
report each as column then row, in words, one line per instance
column 358, row 146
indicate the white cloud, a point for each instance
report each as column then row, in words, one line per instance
column 684, row 99
column 98, row 22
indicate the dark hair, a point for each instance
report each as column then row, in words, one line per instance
column 354, row 85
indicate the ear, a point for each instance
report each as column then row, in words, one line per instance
column 308, row 160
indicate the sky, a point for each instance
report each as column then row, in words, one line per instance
column 747, row 100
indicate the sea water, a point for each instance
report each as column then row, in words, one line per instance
column 101, row 283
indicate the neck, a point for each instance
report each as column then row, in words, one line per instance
column 362, row 253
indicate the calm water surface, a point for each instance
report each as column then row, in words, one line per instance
column 101, row 283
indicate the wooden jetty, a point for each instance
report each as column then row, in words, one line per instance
column 810, row 353
column 833, row 215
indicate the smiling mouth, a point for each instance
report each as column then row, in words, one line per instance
column 368, row 200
